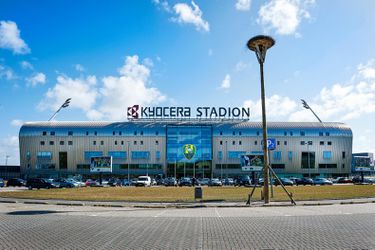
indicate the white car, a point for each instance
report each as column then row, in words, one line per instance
column 143, row 181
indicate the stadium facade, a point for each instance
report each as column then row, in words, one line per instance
column 157, row 147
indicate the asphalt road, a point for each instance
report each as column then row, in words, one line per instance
column 26, row 226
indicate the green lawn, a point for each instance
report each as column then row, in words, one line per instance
column 184, row 194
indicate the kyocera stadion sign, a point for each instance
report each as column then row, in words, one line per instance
column 138, row 112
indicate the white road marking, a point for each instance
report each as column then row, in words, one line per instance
column 217, row 212
column 159, row 214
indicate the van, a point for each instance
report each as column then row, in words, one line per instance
column 143, row 181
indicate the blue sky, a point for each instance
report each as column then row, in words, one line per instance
column 107, row 55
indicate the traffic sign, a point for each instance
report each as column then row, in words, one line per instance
column 271, row 143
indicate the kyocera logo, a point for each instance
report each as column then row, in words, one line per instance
column 133, row 112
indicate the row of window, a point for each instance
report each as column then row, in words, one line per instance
column 302, row 133
column 274, row 166
column 62, row 143
column 70, row 133
column 329, row 143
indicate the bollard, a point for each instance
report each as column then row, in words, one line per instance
column 198, row 194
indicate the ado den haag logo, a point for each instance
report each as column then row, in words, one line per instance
column 189, row 151
column 133, row 111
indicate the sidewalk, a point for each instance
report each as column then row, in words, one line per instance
column 197, row 204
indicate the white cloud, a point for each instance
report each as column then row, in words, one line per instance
column 119, row 92
column 10, row 38
column 163, row 4
column 37, row 78
column 26, row 65
column 7, row 73
column 9, row 149
column 79, row 67
column 83, row 92
column 16, row 123
column 284, row 16
column 277, row 107
column 243, row 5
column 225, row 84
column 241, row 66
column 186, row 14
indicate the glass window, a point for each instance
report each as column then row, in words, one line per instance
column 95, row 133
column 321, row 134
column 135, row 132
column 94, row 143
column 141, row 142
column 157, row 133
column 220, row 155
column 70, row 132
column 278, row 142
column 117, row 154
column 221, row 132
column 113, row 133
column 52, row 133
column 240, row 142
column 329, row 143
column 70, row 143
column 285, row 133
column 44, row 133
column 221, row 142
column 120, row 133
column 257, row 132
column 233, row 142
column 327, row 133
column 51, row 143
column 157, row 155
column 302, row 133
column 156, row 142
column 141, row 132
column 240, row 133
column 310, row 143
column 291, row 133
column 343, row 155
column 278, row 166
column 327, row 155
column 234, row 133
column 89, row 154
column 61, row 142
column 308, row 160
column 321, row 142
column 290, row 155
column 44, row 155
column 87, row 132
column 302, row 142
column 135, row 142
column 122, row 142
column 277, row 155
column 285, row 143
column 115, row 142
column 235, row 154
column 101, row 142
column 42, row 143
column 255, row 142
column 140, row 154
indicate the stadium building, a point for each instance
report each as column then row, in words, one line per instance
column 200, row 148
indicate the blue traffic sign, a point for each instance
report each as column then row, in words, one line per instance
column 271, row 143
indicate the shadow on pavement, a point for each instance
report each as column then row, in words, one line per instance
column 33, row 212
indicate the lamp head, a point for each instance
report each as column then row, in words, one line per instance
column 260, row 44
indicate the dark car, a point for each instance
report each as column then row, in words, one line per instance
column 170, row 181
column 63, row 183
column 15, row 182
column 228, row 182
column 185, row 182
column 305, row 181
column 243, row 181
column 113, row 182
column 40, row 183
column 284, row 181
column 1, row 182
column 344, row 180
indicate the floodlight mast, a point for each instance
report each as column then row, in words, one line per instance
column 260, row 44
column 64, row 105
column 306, row 106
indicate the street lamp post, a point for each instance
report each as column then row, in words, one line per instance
column 6, row 159
column 128, row 164
column 260, row 44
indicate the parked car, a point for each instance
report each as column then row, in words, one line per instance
column 305, row 181
column 143, row 181
column 40, row 183
column 16, row 182
column 243, row 181
column 63, row 183
column 322, row 181
column 215, row 182
column 186, row 181
column 153, row 182
column 133, row 182
column 91, row 183
column 228, row 182
column 294, row 179
column 344, row 180
column 204, row 181
column 113, row 182
column 284, row 181
column 1, row 182
column 125, row 182
column 170, row 181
